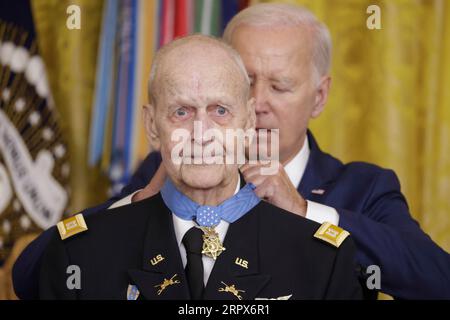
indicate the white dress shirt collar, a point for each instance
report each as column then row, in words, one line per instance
column 295, row 170
column 296, row 167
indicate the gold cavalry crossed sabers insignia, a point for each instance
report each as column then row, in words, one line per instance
column 231, row 289
column 166, row 283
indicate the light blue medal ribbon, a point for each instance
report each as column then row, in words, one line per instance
column 207, row 216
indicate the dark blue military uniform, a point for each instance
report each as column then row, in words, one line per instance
column 270, row 253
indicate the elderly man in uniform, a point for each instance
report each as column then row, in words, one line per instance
column 287, row 54
column 165, row 247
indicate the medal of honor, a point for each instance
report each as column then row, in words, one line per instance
column 212, row 247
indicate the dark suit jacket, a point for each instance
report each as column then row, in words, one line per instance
column 283, row 257
column 370, row 205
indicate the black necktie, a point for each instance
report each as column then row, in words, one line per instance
column 193, row 242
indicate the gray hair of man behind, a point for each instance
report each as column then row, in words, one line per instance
column 287, row 15
column 196, row 39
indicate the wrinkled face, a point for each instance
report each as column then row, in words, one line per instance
column 278, row 62
column 198, row 90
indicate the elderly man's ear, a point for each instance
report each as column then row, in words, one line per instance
column 251, row 116
column 149, row 115
column 321, row 96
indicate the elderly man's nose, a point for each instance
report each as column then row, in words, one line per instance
column 203, row 121
column 202, row 138
column 201, row 125
column 260, row 95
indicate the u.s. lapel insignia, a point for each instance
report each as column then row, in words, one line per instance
column 71, row 226
column 212, row 247
column 231, row 289
column 166, row 283
column 331, row 234
column 241, row 262
column 132, row 292
column 155, row 260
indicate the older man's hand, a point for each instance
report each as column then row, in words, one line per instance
column 276, row 188
column 153, row 186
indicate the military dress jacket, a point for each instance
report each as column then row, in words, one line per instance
column 131, row 252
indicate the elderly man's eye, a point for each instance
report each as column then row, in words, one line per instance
column 221, row 111
column 279, row 89
column 181, row 112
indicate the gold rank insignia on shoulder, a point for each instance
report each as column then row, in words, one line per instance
column 332, row 234
column 71, row 226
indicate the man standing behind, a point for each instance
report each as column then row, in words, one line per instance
column 287, row 54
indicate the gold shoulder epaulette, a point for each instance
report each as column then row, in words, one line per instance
column 71, row 226
column 332, row 234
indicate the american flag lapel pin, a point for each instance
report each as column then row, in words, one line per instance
column 318, row 191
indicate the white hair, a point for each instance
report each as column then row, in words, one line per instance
column 286, row 15
column 199, row 38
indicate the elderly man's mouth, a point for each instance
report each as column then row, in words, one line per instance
column 204, row 160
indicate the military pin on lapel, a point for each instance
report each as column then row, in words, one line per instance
column 155, row 260
column 212, row 247
column 231, row 289
column 132, row 292
column 318, row 191
column 166, row 283
column 241, row 262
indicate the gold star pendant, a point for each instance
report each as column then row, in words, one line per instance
column 212, row 247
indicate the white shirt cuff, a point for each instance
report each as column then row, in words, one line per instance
column 321, row 213
column 123, row 201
